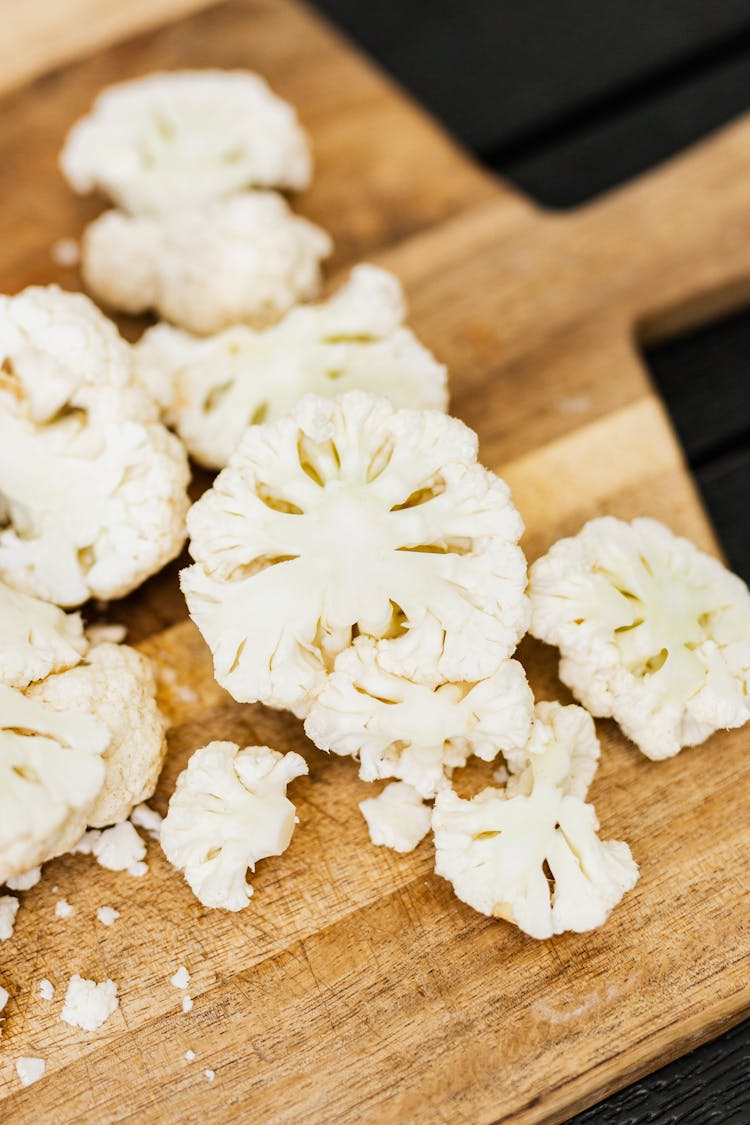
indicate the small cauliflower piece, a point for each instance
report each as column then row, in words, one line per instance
column 107, row 915
column 30, row 1070
column 25, row 881
column 562, row 746
column 143, row 816
column 36, row 638
column 242, row 260
column 348, row 515
column 531, row 853
column 46, row 989
column 184, row 138
column 119, row 848
column 652, row 632
column 211, row 389
column 397, row 818
column 228, row 811
column 59, row 353
column 417, row 732
column 116, row 685
column 8, row 910
column 51, row 772
column 4, row 998
column 88, row 1005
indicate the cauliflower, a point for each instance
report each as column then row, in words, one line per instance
column 8, row 910
column 117, row 849
column 88, row 1005
column 530, row 853
column 25, row 880
column 228, row 811
column 30, row 1070
column 246, row 259
column 116, row 685
column 59, row 354
column 350, row 516
column 93, row 503
column 36, row 638
column 211, row 389
column 165, row 141
column 418, row 732
column 651, row 631
column 397, row 818
column 51, row 772
column 4, row 998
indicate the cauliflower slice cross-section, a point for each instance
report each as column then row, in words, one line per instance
column 349, row 516
column 184, row 138
column 242, row 260
column 531, row 853
column 652, row 632
column 228, row 811
column 51, row 771
column 418, row 732
column 211, row 389
column 36, row 638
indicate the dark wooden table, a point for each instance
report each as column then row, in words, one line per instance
column 566, row 100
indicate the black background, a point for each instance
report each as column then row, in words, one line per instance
column 567, row 98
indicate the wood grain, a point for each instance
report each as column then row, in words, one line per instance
column 356, row 987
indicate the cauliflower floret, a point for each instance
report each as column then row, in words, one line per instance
column 530, row 853
column 228, row 811
column 651, row 631
column 418, row 732
column 350, row 514
column 184, row 138
column 51, row 772
column 246, row 259
column 117, row 849
column 116, row 685
column 59, row 353
column 93, row 506
column 87, row 1004
column 36, row 638
column 25, row 880
column 211, row 389
column 397, row 818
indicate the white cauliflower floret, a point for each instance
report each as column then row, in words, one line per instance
column 246, row 259
column 59, row 353
column 92, row 507
column 87, row 1004
column 117, row 849
column 397, row 818
column 116, row 685
column 651, row 631
column 418, row 732
column 25, row 880
column 211, row 389
column 531, row 853
column 51, row 772
column 228, row 811
column 171, row 140
column 8, row 910
column 36, row 638
column 562, row 748
column 350, row 515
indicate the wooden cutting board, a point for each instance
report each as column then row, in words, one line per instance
column 356, row 988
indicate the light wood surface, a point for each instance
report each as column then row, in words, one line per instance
column 356, row 987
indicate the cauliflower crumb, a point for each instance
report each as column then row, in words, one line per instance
column 4, row 998
column 30, row 1070
column 63, row 909
column 46, row 989
column 187, row 1004
column 210, row 1074
column 181, row 978
column 65, row 253
column 242, row 260
column 190, row 1056
column 107, row 915
column 228, row 811
column 8, row 911
column 87, row 1004
column 25, row 881
column 143, row 816
column 397, row 818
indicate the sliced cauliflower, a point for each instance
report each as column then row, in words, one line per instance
column 36, row 638
column 651, row 631
column 184, row 138
column 246, row 259
column 90, row 505
column 397, row 818
column 211, row 389
column 418, row 732
column 349, row 515
column 228, row 811
column 531, row 853
column 59, row 354
column 51, row 772
column 116, row 685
